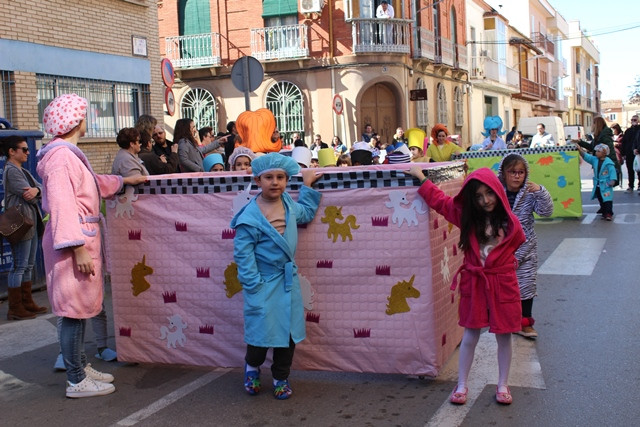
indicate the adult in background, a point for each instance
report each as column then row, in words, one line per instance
column 385, row 11
column 493, row 127
column 232, row 135
column 23, row 191
column 542, row 138
column 158, row 164
column 127, row 163
column 629, row 142
column 72, row 240
column 602, row 134
column 399, row 138
column 338, row 146
column 368, row 133
column 442, row 149
column 617, row 144
column 510, row 135
column 190, row 152
column 162, row 144
column 317, row 143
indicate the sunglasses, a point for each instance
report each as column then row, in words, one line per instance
column 24, row 149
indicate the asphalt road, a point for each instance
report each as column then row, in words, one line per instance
column 581, row 371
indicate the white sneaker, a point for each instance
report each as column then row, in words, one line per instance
column 97, row 375
column 88, row 388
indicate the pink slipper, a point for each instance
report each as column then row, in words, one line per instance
column 458, row 397
column 504, row 398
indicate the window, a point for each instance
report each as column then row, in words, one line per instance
column 284, row 99
column 443, row 117
column 194, row 18
column 459, row 106
column 6, row 95
column 422, row 109
column 200, row 106
column 112, row 105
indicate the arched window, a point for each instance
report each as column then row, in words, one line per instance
column 200, row 106
column 284, row 99
column 459, row 106
column 422, row 109
column 443, row 117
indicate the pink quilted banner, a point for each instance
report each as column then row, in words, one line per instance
column 375, row 265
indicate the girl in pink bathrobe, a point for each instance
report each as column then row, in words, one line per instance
column 71, row 242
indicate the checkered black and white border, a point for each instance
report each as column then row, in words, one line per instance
column 502, row 153
column 331, row 180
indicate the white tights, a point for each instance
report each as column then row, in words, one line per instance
column 467, row 351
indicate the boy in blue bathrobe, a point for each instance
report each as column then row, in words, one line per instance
column 264, row 250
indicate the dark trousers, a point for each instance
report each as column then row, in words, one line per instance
column 606, row 207
column 282, row 359
column 527, row 305
column 629, row 162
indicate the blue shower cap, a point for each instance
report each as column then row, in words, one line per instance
column 274, row 161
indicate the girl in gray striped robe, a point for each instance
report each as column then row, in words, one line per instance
column 525, row 198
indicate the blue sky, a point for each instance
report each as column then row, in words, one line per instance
column 619, row 57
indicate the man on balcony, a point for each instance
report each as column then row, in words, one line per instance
column 385, row 11
column 542, row 138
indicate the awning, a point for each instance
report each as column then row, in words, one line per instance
column 279, row 8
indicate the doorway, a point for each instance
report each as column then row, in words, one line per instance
column 378, row 107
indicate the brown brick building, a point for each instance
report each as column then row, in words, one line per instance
column 313, row 51
column 52, row 47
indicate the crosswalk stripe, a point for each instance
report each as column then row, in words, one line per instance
column 574, row 257
column 27, row 335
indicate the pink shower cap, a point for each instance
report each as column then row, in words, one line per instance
column 64, row 113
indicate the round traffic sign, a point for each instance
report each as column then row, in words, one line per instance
column 247, row 74
column 338, row 105
column 167, row 72
column 170, row 101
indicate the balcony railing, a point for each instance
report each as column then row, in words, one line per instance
column 444, row 51
column 196, row 50
column 380, row 35
column 427, row 44
column 529, row 88
column 461, row 57
column 490, row 69
column 543, row 42
column 282, row 42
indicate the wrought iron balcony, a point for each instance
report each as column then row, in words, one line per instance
column 193, row 51
column 381, row 35
column 444, row 52
column 461, row 57
column 281, row 42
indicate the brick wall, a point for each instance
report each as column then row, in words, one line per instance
column 102, row 26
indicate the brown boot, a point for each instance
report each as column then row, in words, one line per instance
column 27, row 300
column 16, row 309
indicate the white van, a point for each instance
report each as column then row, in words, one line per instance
column 574, row 132
column 552, row 124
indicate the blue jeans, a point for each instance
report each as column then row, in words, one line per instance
column 24, row 258
column 99, row 326
column 72, row 347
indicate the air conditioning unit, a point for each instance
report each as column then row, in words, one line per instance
column 310, row 6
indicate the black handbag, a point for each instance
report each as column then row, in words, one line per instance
column 14, row 225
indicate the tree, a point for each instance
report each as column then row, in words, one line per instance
column 634, row 94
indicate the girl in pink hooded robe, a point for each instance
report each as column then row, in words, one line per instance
column 71, row 243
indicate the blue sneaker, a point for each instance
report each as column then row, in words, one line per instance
column 282, row 390
column 107, row 355
column 251, row 381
